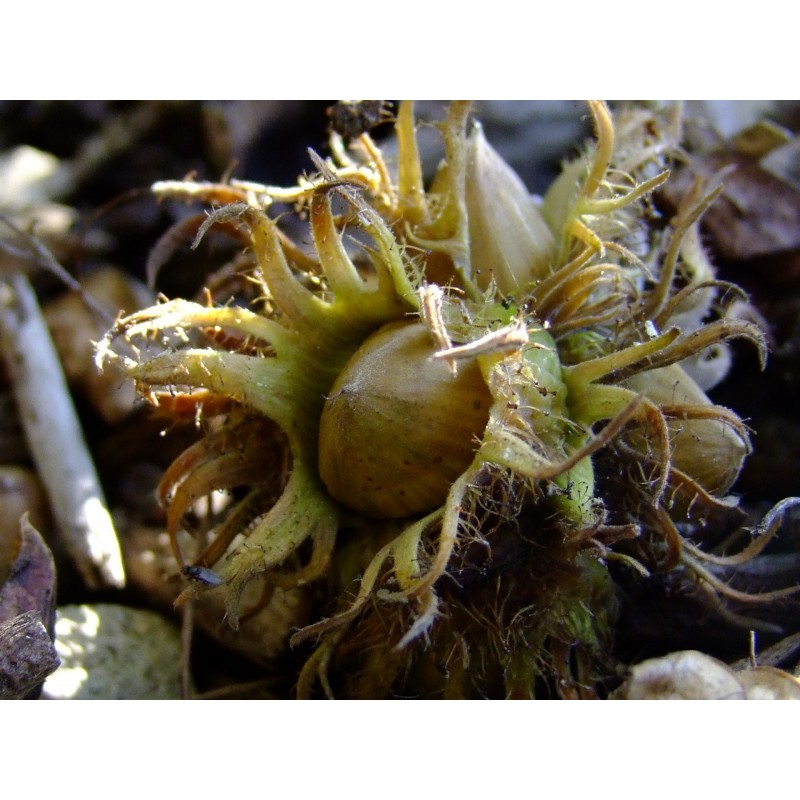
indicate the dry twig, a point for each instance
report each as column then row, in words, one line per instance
column 55, row 437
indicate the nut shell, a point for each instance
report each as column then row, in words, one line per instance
column 398, row 428
column 710, row 451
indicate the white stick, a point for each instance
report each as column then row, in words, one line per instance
column 55, row 437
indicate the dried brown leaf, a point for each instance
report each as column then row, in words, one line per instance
column 757, row 214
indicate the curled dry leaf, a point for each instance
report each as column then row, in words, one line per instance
column 31, row 582
column 20, row 492
column 27, row 616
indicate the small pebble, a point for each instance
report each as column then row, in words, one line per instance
column 111, row 652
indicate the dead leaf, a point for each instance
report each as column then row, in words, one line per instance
column 31, row 582
column 27, row 617
column 757, row 214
